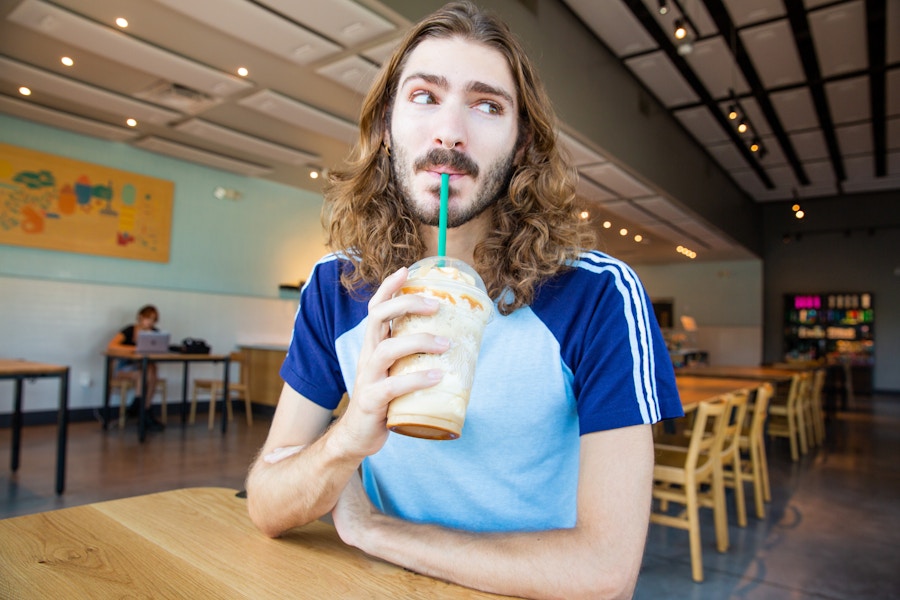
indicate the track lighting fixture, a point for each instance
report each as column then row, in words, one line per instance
column 663, row 7
column 737, row 113
column 680, row 29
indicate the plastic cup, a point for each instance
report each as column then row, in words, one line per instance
column 438, row 412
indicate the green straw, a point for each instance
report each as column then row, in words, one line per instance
column 442, row 219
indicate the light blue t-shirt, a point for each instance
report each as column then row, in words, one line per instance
column 586, row 356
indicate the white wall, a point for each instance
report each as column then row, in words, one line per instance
column 70, row 323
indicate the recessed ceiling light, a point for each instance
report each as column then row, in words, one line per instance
column 313, row 174
column 66, row 60
column 131, row 122
column 623, row 231
column 606, row 224
column 242, row 71
column 638, row 238
column 799, row 214
column 25, row 91
column 122, row 22
column 584, row 215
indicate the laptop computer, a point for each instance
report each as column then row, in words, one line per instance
column 152, row 342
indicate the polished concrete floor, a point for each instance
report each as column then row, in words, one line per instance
column 832, row 530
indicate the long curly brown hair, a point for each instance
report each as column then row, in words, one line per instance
column 535, row 228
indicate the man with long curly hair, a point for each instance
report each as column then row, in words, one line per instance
column 547, row 492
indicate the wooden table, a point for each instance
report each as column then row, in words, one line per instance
column 772, row 374
column 145, row 359
column 191, row 543
column 694, row 390
column 19, row 370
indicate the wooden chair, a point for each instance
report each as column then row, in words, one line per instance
column 751, row 442
column 817, row 405
column 731, row 452
column 786, row 416
column 693, row 478
column 239, row 389
column 123, row 387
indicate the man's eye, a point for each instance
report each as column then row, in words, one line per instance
column 422, row 97
column 491, row 108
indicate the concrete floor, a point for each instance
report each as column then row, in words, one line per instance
column 831, row 531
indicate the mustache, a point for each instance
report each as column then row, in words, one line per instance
column 441, row 157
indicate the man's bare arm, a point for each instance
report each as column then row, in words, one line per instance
column 599, row 558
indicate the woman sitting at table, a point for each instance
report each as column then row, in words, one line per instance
column 125, row 342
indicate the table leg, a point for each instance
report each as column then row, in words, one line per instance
column 226, row 395
column 16, row 426
column 184, row 391
column 106, row 374
column 62, row 428
column 142, row 423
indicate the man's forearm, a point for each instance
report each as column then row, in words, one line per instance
column 290, row 487
column 564, row 563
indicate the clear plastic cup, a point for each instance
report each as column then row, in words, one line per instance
column 438, row 412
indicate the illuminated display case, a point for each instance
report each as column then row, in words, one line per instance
column 837, row 327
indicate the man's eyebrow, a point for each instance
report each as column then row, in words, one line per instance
column 476, row 86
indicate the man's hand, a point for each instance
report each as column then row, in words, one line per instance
column 363, row 428
column 352, row 512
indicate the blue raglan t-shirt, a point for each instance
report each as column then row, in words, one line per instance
column 585, row 356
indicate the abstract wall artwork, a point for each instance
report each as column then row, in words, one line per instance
column 58, row 203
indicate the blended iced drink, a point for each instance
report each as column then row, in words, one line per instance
column 438, row 412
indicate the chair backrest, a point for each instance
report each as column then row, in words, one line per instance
column 239, row 358
column 707, row 434
column 793, row 394
column 760, row 410
column 818, row 384
column 734, row 421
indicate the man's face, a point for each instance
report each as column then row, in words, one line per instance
column 455, row 112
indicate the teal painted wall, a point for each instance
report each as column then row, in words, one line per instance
column 245, row 247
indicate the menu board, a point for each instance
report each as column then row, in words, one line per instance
column 58, row 203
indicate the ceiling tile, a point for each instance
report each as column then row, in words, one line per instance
column 615, row 24
column 702, row 125
column 658, row 73
column 662, row 208
column 715, row 66
column 893, row 92
column 822, row 181
column 893, row 133
column 589, row 190
column 55, row 118
column 352, row 71
column 343, row 21
column 795, row 109
column 77, row 31
column 236, row 140
column 839, row 36
column 581, row 155
column 774, row 154
column 809, row 145
column 893, row 24
column 848, row 99
column 380, row 53
column 302, row 115
column 612, row 177
column 855, row 139
column 258, row 27
column 626, row 210
column 774, row 53
column 746, row 12
column 861, row 174
column 750, row 183
column 666, row 232
column 210, row 159
column 728, row 156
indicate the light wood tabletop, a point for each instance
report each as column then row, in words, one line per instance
column 694, row 390
column 772, row 374
column 191, row 543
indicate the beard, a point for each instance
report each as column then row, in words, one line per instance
column 489, row 187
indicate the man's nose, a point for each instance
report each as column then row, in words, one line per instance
column 450, row 130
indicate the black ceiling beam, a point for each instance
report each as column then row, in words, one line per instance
column 876, row 28
column 721, row 18
column 640, row 11
column 803, row 38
